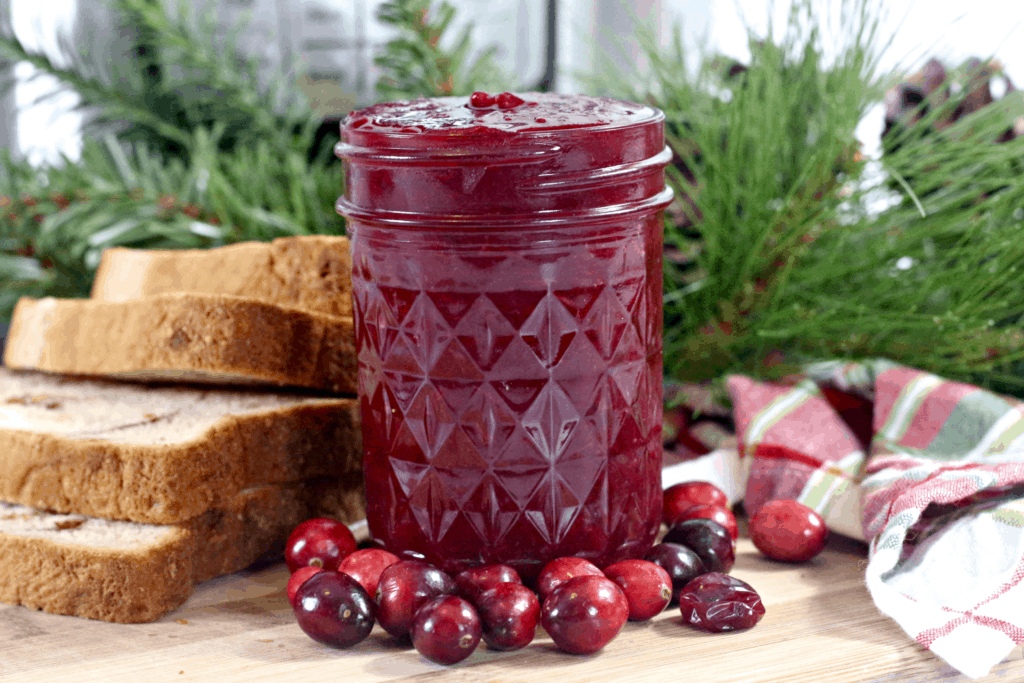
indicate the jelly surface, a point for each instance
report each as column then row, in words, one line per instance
column 510, row 372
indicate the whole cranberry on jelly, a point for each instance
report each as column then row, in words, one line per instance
column 788, row 531
column 679, row 498
column 319, row 542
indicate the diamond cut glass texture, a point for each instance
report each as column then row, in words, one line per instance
column 511, row 413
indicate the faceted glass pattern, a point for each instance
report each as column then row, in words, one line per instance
column 511, row 392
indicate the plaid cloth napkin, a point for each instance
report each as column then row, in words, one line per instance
column 935, row 471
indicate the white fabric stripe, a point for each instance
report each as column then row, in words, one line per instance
column 906, row 404
column 798, row 395
column 1012, row 417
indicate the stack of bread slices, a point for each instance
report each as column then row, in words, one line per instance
column 177, row 425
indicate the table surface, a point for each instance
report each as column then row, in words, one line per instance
column 820, row 626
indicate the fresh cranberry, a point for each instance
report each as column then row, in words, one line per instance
column 679, row 562
column 333, row 609
column 300, row 577
column 715, row 513
column 583, row 614
column 562, row 569
column 709, row 540
column 472, row 582
column 319, row 543
column 647, row 587
column 481, row 100
column 403, row 588
column 507, row 100
column 509, row 612
column 789, row 531
column 719, row 602
column 365, row 566
column 681, row 497
column 446, row 630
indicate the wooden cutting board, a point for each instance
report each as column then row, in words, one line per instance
column 820, row 627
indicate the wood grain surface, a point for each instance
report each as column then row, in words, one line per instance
column 820, row 627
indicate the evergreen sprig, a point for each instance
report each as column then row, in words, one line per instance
column 421, row 61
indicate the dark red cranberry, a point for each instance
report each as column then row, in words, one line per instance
column 365, row 566
column 583, row 614
column 333, row 609
column 712, row 543
column 446, row 630
column 299, row 577
column 681, row 497
column 481, row 100
column 716, row 513
column 403, row 588
column 507, row 100
column 719, row 602
column 509, row 612
column 472, row 582
column 647, row 587
column 406, row 554
column 562, row 569
column 681, row 564
column 320, row 543
column 789, row 531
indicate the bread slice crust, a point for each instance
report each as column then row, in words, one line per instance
column 311, row 272
column 191, row 451
column 211, row 338
column 62, row 565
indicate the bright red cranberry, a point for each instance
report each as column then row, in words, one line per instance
column 481, row 100
column 709, row 540
column 472, row 582
column 679, row 562
column 403, row 588
column 719, row 602
column 509, row 612
column 562, row 569
column 647, row 587
column 446, row 630
column 715, row 513
column 320, row 543
column 583, row 614
column 365, row 566
column 681, row 497
column 298, row 578
column 507, row 100
column 789, row 531
column 333, row 609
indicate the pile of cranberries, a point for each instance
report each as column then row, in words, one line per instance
column 338, row 592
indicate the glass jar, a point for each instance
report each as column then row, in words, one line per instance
column 507, row 279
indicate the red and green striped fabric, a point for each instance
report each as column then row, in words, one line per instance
column 937, row 481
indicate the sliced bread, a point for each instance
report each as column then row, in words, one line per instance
column 130, row 573
column 309, row 272
column 161, row 454
column 213, row 338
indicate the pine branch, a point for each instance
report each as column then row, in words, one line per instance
column 422, row 61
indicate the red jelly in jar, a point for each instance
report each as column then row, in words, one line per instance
column 506, row 276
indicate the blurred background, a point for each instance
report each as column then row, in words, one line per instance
column 338, row 40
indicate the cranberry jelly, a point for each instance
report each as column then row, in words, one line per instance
column 507, row 282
